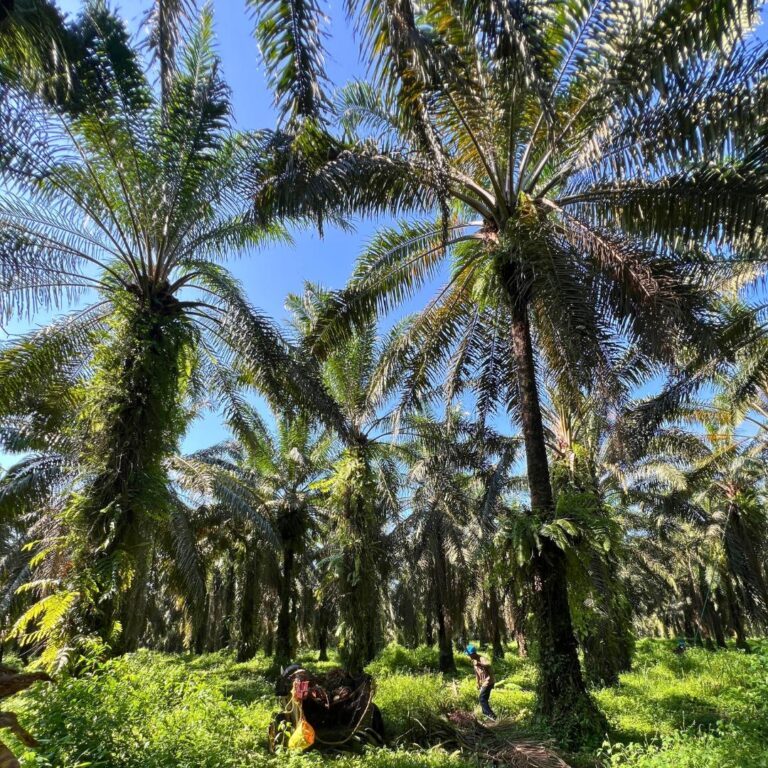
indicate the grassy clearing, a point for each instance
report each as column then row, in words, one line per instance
column 151, row 710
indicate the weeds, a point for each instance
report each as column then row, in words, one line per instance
column 151, row 710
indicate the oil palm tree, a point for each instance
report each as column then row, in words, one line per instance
column 128, row 211
column 726, row 484
column 699, row 514
column 362, row 485
column 576, row 192
column 440, row 540
column 587, row 481
column 32, row 494
column 221, row 539
column 212, row 511
column 445, row 460
column 281, row 468
column 288, row 467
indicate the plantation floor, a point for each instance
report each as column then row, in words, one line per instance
column 150, row 710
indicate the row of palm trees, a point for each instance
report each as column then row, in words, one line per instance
column 252, row 553
column 589, row 175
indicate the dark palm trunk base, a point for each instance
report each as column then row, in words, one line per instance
column 517, row 623
column 429, row 633
column 607, row 652
column 359, row 584
column 248, row 636
column 283, row 649
column 444, row 644
column 608, row 643
column 562, row 700
column 133, row 602
column 445, row 656
column 736, row 616
column 495, row 616
column 322, row 644
column 359, row 610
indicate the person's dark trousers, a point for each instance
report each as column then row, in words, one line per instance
column 485, row 695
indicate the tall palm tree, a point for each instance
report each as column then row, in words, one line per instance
column 593, row 164
column 221, row 537
column 32, row 495
column 445, row 459
column 692, row 570
column 281, row 467
column 211, row 508
column 362, row 484
column 130, row 213
column 724, row 490
column 289, row 468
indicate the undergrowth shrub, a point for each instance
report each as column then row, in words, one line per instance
column 703, row 709
column 143, row 711
column 152, row 710
column 397, row 659
column 404, row 699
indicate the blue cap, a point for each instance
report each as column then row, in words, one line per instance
column 471, row 649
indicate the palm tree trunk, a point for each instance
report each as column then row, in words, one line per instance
column 716, row 619
column 283, row 648
column 269, row 640
column 702, row 631
column 735, row 614
column 199, row 620
column 228, row 604
column 249, row 607
column 135, row 401
column 322, row 622
column 562, row 696
column 494, row 608
column 709, row 616
column 516, row 613
column 688, row 626
column 322, row 641
column 134, row 601
column 215, row 612
column 429, row 633
column 445, row 647
column 360, row 578
column 607, row 640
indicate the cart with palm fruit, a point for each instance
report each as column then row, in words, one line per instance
column 331, row 711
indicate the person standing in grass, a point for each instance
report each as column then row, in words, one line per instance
column 485, row 680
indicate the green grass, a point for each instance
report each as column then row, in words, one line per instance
column 701, row 710
column 151, row 710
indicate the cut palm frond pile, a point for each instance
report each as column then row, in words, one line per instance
column 498, row 743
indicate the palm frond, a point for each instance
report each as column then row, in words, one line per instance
column 290, row 35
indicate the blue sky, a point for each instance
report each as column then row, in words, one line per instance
column 271, row 274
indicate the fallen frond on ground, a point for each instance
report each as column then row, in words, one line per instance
column 499, row 742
